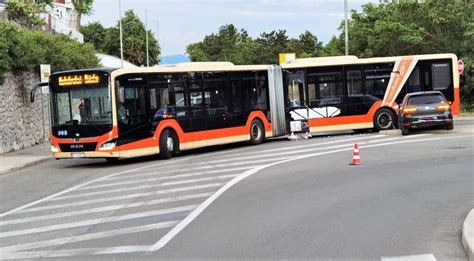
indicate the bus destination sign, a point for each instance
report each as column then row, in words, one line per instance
column 82, row 79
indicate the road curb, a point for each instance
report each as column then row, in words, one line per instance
column 395, row 132
column 29, row 164
column 468, row 235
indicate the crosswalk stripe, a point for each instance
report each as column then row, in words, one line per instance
column 427, row 257
column 174, row 183
column 91, row 236
column 102, row 209
column 134, row 181
column 159, row 172
column 22, row 232
column 131, row 196
column 307, row 145
column 74, row 252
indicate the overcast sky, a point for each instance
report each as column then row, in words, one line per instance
column 182, row 22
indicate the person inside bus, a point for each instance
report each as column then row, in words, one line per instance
column 122, row 113
column 84, row 109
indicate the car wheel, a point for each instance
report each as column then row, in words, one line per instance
column 257, row 133
column 168, row 144
column 449, row 127
column 384, row 119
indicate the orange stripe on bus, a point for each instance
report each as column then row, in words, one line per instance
column 396, row 83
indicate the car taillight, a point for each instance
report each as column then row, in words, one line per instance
column 443, row 107
column 408, row 110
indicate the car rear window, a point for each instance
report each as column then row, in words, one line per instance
column 426, row 99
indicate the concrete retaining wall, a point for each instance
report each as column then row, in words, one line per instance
column 22, row 124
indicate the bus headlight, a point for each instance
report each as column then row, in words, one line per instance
column 54, row 149
column 110, row 145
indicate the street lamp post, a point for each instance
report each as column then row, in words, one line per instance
column 346, row 30
column 146, row 37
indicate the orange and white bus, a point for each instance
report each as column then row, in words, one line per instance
column 131, row 112
column 344, row 93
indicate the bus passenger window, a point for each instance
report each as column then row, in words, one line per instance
column 414, row 84
column 441, row 76
column 354, row 83
column 376, row 83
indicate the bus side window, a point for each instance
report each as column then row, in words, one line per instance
column 441, row 75
column 377, row 77
column 414, row 84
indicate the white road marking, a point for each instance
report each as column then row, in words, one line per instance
column 28, row 231
column 85, row 237
column 156, row 173
column 134, row 181
column 427, row 257
column 174, row 183
column 94, row 201
column 196, row 212
column 103, row 209
column 92, row 181
column 306, row 145
column 74, row 252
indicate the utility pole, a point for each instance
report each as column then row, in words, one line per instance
column 121, row 34
column 158, row 37
column 146, row 37
column 346, row 30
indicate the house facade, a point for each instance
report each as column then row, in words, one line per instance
column 61, row 18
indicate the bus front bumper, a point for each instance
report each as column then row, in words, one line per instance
column 85, row 154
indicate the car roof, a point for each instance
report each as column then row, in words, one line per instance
column 423, row 93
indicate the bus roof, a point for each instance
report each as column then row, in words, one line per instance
column 347, row 60
column 193, row 67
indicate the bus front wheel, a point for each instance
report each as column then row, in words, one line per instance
column 384, row 119
column 257, row 133
column 168, row 144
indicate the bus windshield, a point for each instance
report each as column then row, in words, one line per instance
column 82, row 106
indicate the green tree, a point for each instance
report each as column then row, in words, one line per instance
column 229, row 44
column 270, row 45
column 406, row 28
column 95, row 34
column 134, row 41
column 81, row 7
column 27, row 12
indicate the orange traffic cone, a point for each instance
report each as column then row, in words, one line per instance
column 356, row 157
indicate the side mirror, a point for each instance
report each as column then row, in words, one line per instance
column 33, row 91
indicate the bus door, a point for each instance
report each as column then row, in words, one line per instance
column 297, row 108
column 217, row 101
column 132, row 110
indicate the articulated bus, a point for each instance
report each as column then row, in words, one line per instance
column 162, row 110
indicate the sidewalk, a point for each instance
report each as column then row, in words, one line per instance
column 23, row 158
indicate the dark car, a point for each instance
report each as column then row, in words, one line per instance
column 424, row 110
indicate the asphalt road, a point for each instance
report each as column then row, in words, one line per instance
column 278, row 200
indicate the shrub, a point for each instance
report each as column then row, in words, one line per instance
column 24, row 50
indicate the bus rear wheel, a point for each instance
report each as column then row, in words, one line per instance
column 384, row 119
column 168, row 144
column 257, row 133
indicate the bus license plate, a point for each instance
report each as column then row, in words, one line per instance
column 78, row 155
